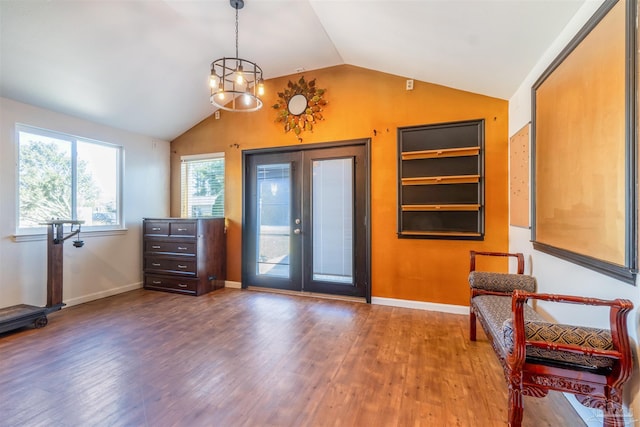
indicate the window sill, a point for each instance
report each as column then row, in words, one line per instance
column 43, row 236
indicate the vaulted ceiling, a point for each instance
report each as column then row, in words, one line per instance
column 143, row 65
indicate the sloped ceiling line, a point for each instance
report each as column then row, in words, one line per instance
column 143, row 66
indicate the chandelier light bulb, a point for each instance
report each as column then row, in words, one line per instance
column 213, row 81
column 239, row 75
column 260, row 87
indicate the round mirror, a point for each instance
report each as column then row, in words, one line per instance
column 297, row 104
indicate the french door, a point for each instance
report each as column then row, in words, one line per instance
column 305, row 219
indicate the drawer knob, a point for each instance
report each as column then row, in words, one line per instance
column 155, row 247
column 182, row 266
column 182, row 285
column 182, row 229
column 182, row 248
column 156, row 282
column 155, row 228
column 155, row 264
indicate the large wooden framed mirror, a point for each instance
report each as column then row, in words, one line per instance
column 584, row 161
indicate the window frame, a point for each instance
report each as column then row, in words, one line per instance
column 187, row 158
column 27, row 233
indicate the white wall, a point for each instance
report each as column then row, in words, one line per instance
column 555, row 275
column 107, row 264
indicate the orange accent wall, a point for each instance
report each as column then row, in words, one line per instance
column 369, row 104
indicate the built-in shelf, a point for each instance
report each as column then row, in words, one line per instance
column 448, row 152
column 441, row 233
column 440, row 181
column 431, row 180
column 440, row 207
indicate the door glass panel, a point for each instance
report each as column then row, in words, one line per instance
column 273, row 222
column 332, row 213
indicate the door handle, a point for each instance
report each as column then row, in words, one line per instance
column 296, row 231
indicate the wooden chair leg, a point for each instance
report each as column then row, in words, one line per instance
column 613, row 412
column 516, row 405
column 472, row 325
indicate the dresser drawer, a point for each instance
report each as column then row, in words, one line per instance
column 171, row 283
column 182, row 228
column 170, row 265
column 187, row 248
column 184, row 255
column 160, row 228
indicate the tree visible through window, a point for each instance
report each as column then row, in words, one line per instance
column 202, row 185
column 61, row 176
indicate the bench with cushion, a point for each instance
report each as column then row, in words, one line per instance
column 537, row 355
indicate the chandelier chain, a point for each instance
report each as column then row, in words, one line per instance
column 237, row 56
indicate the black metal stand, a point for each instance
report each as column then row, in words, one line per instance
column 22, row 315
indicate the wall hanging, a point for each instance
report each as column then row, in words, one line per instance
column 300, row 106
column 584, row 173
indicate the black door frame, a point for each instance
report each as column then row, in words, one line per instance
column 366, row 142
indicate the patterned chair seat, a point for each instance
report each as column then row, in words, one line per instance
column 496, row 311
column 501, row 282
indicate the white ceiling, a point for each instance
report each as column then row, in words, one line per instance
column 143, row 65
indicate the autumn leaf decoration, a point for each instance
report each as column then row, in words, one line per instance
column 306, row 120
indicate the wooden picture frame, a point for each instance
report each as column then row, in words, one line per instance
column 584, row 161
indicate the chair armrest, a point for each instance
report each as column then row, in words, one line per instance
column 518, row 256
column 501, row 282
column 612, row 344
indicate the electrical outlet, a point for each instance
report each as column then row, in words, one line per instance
column 409, row 84
column 216, row 115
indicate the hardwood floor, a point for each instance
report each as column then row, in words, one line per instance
column 243, row 358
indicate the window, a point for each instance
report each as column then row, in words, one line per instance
column 202, row 185
column 64, row 176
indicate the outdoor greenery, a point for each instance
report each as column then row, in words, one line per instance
column 205, row 187
column 45, row 183
column 208, row 178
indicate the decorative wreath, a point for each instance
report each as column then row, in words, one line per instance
column 300, row 106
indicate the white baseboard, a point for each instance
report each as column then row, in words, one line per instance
column 110, row 292
column 421, row 305
column 102, row 294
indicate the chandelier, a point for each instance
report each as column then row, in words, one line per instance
column 236, row 83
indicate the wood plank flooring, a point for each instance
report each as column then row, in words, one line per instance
column 246, row 358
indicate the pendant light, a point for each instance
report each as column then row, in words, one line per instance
column 236, row 83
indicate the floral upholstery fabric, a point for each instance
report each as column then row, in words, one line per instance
column 496, row 312
column 501, row 282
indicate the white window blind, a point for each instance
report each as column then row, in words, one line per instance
column 202, row 185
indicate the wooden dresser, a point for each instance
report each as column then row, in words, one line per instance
column 184, row 255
